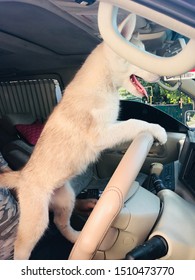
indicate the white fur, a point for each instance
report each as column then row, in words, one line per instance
column 82, row 125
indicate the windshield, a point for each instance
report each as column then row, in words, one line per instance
column 175, row 103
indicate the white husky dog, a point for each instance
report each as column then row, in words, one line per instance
column 80, row 127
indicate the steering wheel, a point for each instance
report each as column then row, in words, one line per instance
column 112, row 200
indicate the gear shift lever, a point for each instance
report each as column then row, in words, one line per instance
column 153, row 183
column 156, row 168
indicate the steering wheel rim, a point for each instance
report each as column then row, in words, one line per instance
column 115, row 192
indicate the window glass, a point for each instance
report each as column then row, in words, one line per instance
column 35, row 96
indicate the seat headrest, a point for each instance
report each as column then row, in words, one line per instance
column 19, row 118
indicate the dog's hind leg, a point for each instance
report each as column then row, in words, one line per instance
column 32, row 222
column 62, row 204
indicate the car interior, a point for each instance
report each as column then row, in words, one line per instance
column 145, row 191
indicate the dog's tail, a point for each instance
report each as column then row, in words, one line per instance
column 9, row 179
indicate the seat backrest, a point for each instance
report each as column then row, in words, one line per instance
column 6, row 134
column 17, row 153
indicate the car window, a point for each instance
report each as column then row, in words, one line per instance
column 37, row 96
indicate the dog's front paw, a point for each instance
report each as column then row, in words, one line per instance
column 159, row 133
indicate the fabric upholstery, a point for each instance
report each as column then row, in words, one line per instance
column 30, row 132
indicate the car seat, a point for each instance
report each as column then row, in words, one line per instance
column 13, row 148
